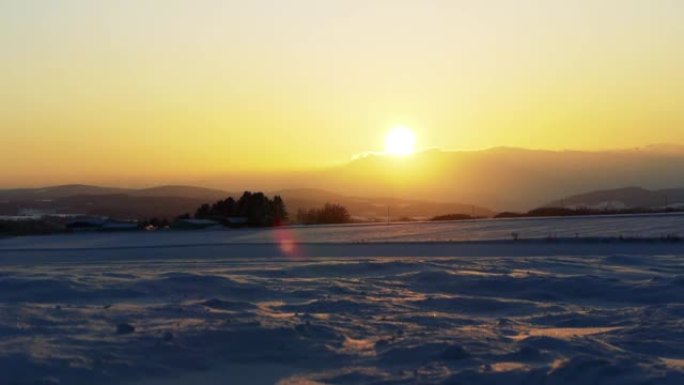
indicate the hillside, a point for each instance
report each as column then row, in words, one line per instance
column 628, row 197
column 502, row 178
column 170, row 201
column 56, row 192
column 371, row 207
column 63, row 191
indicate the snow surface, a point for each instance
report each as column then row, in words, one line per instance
column 628, row 226
column 351, row 305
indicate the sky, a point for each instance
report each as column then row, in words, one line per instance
column 125, row 91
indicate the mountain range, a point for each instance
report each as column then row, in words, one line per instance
column 499, row 178
column 170, row 201
column 628, row 197
column 427, row 183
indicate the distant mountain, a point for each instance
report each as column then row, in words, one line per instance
column 377, row 207
column 661, row 148
column 124, row 206
column 628, row 197
column 500, row 178
column 170, row 201
column 181, row 191
column 55, row 192
column 123, row 203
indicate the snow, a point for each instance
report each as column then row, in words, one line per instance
column 399, row 304
column 629, row 226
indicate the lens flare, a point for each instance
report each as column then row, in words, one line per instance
column 287, row 244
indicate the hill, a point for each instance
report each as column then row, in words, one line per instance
column 377, row 207
column 192, row 192
column 502, row 178
column 628, row 197
column 170, row 201
column 63, row 191
column 56, row 192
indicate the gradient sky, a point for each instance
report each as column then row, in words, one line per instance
column 107, row 91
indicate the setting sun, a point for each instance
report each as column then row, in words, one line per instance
column 300, row 168
column 400, row 141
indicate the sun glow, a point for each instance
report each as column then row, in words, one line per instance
column 400, row 141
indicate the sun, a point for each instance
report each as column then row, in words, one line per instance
column 400, row 141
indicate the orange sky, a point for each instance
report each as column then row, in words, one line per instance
column 131, row 91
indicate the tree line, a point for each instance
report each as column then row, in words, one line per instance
column 254, row 207
column 583, row 211
column 329, row 213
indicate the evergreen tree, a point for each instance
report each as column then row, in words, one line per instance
column 330, row 213
column 256, row 207
column 203, row 211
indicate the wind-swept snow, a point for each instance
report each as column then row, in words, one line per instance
column 108, row 309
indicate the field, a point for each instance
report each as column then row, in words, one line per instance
column 399, row 304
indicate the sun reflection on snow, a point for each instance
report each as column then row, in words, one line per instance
column 508, row 366
column 564, row 333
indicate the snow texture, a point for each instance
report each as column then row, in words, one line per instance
column 210, row 308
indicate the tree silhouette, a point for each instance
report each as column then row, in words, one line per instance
column 257, row 209
column 330, row 213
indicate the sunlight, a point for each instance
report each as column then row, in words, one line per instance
column 400, row 141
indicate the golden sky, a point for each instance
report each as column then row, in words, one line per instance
column 106, row 90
